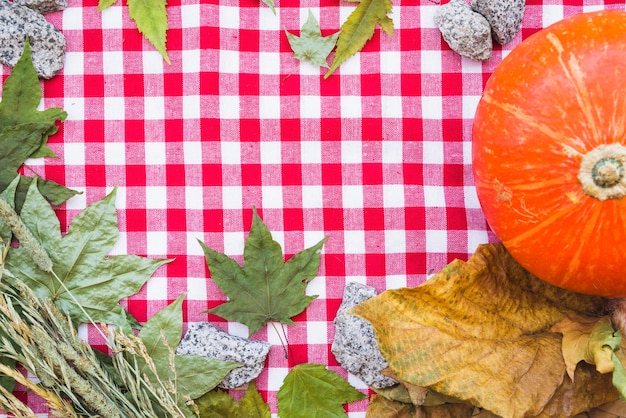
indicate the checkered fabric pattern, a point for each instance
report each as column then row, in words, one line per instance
column 377, row 157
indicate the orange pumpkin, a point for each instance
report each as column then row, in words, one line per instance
column 549, row 153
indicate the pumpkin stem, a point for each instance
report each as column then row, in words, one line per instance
column 602, row 172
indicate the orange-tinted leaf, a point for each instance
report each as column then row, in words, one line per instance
column 479, row 332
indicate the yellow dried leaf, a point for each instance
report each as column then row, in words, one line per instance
column 589, row 339
column 480, row 332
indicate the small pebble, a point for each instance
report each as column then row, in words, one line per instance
column 504, row 17
column 43, row 6
column 46, row 41
column 207, row 340
column 468, row 33
column 354, row 345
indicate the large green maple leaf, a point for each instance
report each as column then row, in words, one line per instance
column 24, row 130
column 311, row 45
column 311, row 390
column 89, row 277
column 151, row 19
column 190, row 375
column 359, row 28
column 265, row 288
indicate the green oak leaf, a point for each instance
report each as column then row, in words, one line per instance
column 219, row 404
column 191, row 375
column 311, row 390
column 265, row 288
column 24, row 130
column 150, row 16
column 96, row 282
column 311, row 45
column 359, row 28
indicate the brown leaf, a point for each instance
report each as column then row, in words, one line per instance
column 381, row 407
column 588, row 339
column 616, row 409
column 479, row 332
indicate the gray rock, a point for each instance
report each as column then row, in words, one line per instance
column 468, row 33
column 43, row 6
column 47, row 42
column 504, row 17
column 207, row 340
column 354, row 345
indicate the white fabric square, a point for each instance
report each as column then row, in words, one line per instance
column 312, row 197
column 351, row 106
column 114, row 153
column 114, row 108
column 75, row 108
column 391, row 106
column 112, row 17
column 469, row 106
column 354, row 242
column 310, row 107
column 74, row 153
column 392, row 152
column 156, row 288
column 112, row 62
column 193, row 246
column 432, row 107
column 269, row 107
column 351, row 152
column 231, row 197
column 196, row 288
column 395, row 241
column 434, row 197
column 73, row 63
column 231, row 152
column 269, row 63
column 156, row 197
column 272, row 196
column 311, row 152
column 475, row 238
column 233, row 243
column 276, row 375
column 352, row 196
column 390, row 62
column 156, row 243
column 154, row 108
column 229, row 17
column 229, row 107
column 192, row 152
column 317, row 332
column 436, row 241
column 152, row 62
column 470, row 197
column 430, row 62
column 193, row 197
column 191, row 107
column 229, row 62
column 393, row 196
column 552, row 13
column 433, row 152
column 427, row 15
column 154, row 153
column 190, row 15
column 270, row 152
column 191, row 61
column 72, row 18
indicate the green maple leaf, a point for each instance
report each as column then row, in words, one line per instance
column 359, row 28
column 311, row 390
column 24, row 130
column 150, row 16
column 219, row 404
column 96, row 282
column 266, row 288
column 191, row 375
column 311, row 45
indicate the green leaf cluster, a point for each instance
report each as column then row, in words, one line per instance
column 24, row 130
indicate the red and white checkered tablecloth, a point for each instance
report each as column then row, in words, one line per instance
column 377, row 157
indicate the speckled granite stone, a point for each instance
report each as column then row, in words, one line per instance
column 468, row 33
column 47, row 42
column 43, row 6
column 504, row 17
column 207, row 340
column 354, row 345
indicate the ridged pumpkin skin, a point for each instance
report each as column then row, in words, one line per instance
column 557, row 96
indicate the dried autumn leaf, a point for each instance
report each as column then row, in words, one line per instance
column 311, row 45
column 381, row 407
column 311, row 390
column 479, row 332
column 359, row 28
column 589, row 339
column 266, row 288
